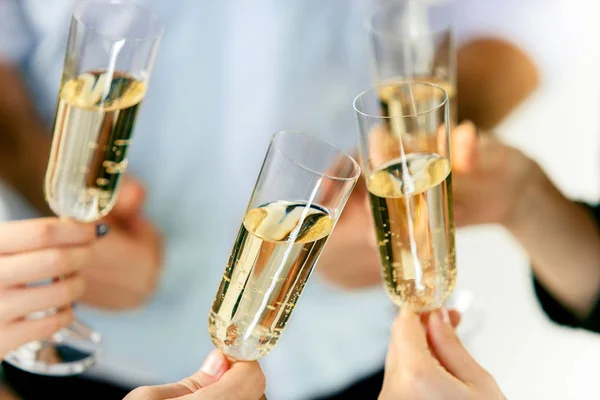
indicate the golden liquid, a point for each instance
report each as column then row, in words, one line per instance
column 396, row 102
column 94, row 121
column 272, row 258
column 411, row 201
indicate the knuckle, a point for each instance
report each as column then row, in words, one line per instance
column 45, row 233
column 418, row 373
column 77, row 287
column 191, row 384
column 64, row 291
column 56, row 261
column 55, row 323
column 448, row 338
column 487, row 380
column 255, row 383
column 261, row 381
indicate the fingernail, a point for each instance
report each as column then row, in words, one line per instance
column 213, row 363
column 102, row 230
column 443, row 314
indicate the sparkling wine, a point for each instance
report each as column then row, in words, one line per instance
column 411, row 202
column 396, row 102
column 94, row 121
column 274, row 254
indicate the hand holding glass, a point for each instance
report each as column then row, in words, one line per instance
column 415, row 40
column 110, row 52
column 299, row 195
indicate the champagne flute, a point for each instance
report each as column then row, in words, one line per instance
column 301, row 190
column 415, row 40
column 405, row 149
column 110, row 52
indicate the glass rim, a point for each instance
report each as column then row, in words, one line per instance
column 293, row 160
column 443, row 102
column 153, row 15
column 370, row 26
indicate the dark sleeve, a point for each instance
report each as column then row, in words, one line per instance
column 559, row 314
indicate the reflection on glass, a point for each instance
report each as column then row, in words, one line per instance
column 300, row 193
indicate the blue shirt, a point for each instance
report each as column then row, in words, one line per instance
column 227, row 76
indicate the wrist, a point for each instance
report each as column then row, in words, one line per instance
column 534, row 188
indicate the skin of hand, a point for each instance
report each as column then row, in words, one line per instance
column 33, row 251
column 497, row 184
column 124, row 271
column 426, row 360
column 350, row 258
column 125, row 267
column 217, row 379
column 489, row 178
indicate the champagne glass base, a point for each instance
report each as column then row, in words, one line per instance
column 70, row 351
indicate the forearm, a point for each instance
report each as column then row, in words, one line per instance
column 563, row 242
column 24, row 143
